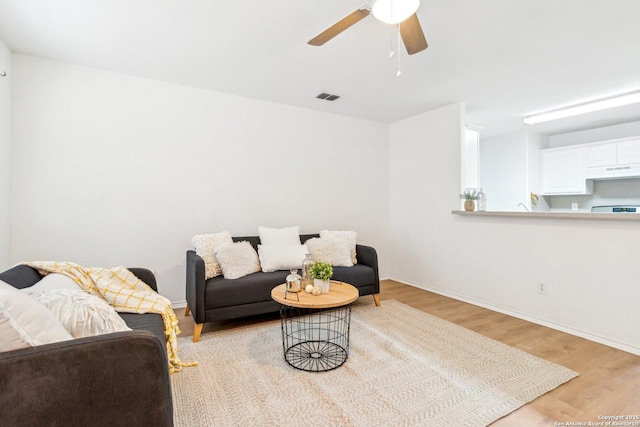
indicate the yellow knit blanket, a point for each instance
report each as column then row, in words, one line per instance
column 126, row 293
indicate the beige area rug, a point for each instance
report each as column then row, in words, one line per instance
column 405, row 368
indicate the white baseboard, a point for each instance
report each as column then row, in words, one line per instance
column 178, row 304
column 562, row 328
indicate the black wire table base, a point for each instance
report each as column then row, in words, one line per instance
column 316, row 356
column 315, row 340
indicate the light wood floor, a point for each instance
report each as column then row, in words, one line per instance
column 609, row 381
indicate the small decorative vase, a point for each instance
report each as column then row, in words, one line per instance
column 469, row 205
column 293, row 281
column 482, row 201
column 306, row 266
column 322, row 284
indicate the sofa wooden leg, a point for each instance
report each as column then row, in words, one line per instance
column 376, row 298
column 197, row 329
column 186, row 310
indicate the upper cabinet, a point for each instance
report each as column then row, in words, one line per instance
column 628, row 152
column 613, row 159
column 563, row 171
column 572, row 169
column 601, row 155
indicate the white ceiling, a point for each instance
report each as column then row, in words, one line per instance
column 504, row 58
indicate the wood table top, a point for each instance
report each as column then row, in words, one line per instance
column 340, row 293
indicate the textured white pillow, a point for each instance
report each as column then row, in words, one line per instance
column 237, row 259
column 81, row 313
column 25, row 322
column 273, row 258
column 333, row 251
column 53, row 281
column 288, row 236
column 349, row 236
column 205, row 245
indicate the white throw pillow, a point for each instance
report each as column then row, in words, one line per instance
column 205, row 245
column 349, row 236
column 237, row 259
column 273, row 258
column 25, row 322
column 81, row 313
column 54, row 281
column 333, row 251
column 288, row 236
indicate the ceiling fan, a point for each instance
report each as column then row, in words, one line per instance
column 399, row 12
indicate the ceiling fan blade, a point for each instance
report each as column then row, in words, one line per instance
column 339, row 27
column 412, row 35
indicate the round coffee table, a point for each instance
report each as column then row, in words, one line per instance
column 315, row 328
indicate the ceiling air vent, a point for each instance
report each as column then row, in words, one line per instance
column 328, row 96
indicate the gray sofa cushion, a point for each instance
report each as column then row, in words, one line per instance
column 249, row 289
column 358, row 275
column 221, row 292
column 151, row 322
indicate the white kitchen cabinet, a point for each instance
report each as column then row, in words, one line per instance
column 613, row 159
column 563, row 171
column 613, row 153
column 601, row 155
column 628, row 152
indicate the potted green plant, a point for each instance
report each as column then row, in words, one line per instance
column 470, row 195
column 321, row 273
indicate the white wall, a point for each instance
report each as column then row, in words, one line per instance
column 111, row 169
column 510, row 170
column 5, row 155
column 589, row 267
column 425, row 184
column 535, row 143
column 503, row 171
column 470, row 160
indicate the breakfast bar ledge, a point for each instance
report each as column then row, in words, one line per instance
column 554, row 215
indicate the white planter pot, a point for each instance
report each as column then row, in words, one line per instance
column 323, row 285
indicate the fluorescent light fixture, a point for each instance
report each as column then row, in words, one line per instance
column 602, row 104
column 394, row 11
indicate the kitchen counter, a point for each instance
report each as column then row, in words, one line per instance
column 556, row 214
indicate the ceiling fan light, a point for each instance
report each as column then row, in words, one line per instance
column 394, row 11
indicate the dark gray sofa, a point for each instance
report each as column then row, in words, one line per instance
column 117, row 379
column 219, row 298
